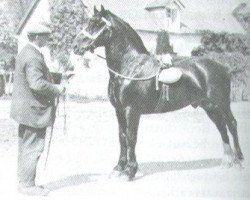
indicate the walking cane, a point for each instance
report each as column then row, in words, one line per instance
column 50, row 136
column 52, row 127
column 64, row 115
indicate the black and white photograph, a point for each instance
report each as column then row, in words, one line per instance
column 125, row 99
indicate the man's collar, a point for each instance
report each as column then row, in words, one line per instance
column 36, row 47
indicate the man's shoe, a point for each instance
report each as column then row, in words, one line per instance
column 34, row 191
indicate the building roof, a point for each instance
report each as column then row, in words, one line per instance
column 27, row 15
column 245, row 10
column 163, row 3
column 214, row 15
column 242, row 15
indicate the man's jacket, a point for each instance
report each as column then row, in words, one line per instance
column 33, row 91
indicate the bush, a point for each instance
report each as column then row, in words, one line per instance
column 222, row 42
column 237, row 64
column 232, row 51
column 8, row 42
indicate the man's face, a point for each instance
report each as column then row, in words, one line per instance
column 42, row 40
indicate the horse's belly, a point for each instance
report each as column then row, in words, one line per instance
column 146, row 99
column 176, row 97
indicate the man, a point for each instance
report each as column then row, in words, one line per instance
column 33, row 107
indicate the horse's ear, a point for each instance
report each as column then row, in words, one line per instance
column 102, row 9
column 95, row 10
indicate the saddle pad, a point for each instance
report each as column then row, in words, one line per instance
column 170, row 75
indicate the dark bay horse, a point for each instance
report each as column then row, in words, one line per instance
column 204, row 83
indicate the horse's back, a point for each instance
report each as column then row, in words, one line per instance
column 208, row 76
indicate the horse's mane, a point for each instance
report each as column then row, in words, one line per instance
column 125, row 28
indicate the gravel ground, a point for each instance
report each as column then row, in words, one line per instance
column 178, row 153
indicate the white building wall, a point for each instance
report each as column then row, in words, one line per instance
column 89, row 82
column 149, row 40
column 158, row 17
column 177, row 24
column 183, row 44
column 41, row 14
column 162, row 22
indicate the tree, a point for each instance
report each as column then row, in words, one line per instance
column 232, row 51
column 16, row 9
column 67, row 19
column 242, row 16
column 9, row 20
column 222, row 42
column 8, row 42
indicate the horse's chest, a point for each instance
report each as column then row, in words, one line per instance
column 123, row 90
column 127, row 92
column 119, row 90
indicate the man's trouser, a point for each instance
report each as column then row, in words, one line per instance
column 30, row 146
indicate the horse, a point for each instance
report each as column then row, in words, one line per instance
column 132, row 87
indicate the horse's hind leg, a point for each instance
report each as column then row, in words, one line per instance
column 232, row 126
column 216, row 116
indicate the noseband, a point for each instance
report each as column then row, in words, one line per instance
column 107, row 26
column 94, row 37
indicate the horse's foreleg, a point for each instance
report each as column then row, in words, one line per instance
column 122, row 138
column 132, row 119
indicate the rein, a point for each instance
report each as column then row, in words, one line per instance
column 126, row 77
column 94, row 37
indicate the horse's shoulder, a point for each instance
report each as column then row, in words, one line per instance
column 140, row 59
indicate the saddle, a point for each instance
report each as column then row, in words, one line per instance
column 170, row 75
column 167, row 75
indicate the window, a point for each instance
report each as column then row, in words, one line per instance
column 174, row 15
column 168, row 12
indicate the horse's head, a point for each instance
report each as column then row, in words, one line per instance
column 97, row 32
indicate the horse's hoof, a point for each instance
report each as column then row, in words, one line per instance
column 238, row 163
column 227, row 161
column 119, row 176
column 238, row 156
column 239, row 166
column 114, row 175
column 125, row 176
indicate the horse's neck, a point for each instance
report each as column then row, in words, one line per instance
column 120, row 50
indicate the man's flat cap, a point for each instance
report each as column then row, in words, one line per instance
column 38, row 29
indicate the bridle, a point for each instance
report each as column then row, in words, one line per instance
column 94, row 37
